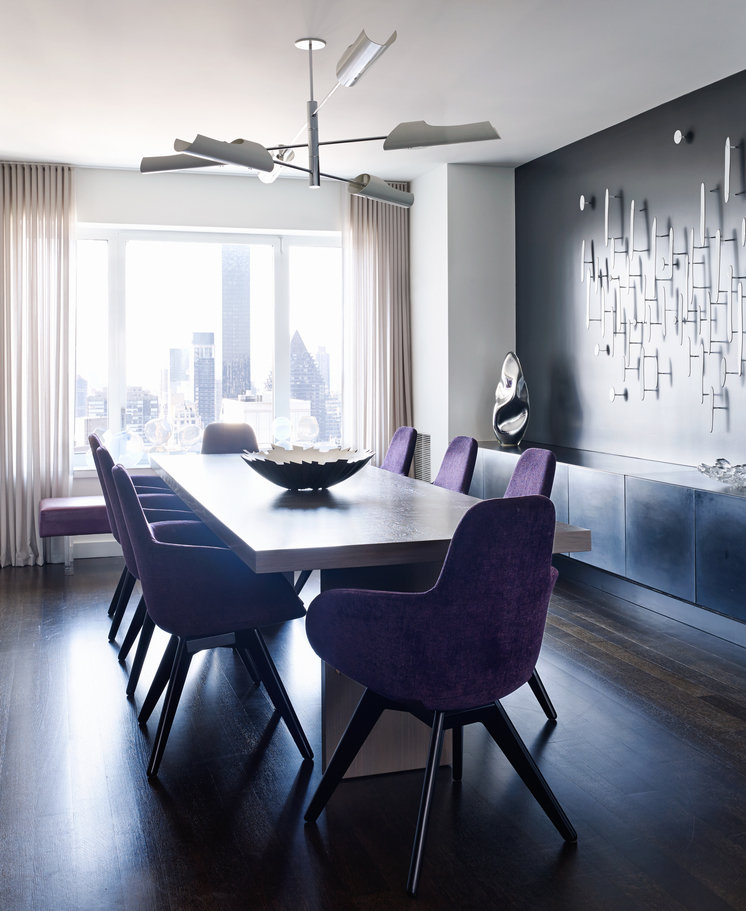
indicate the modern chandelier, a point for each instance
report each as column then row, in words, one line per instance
column 269, row 161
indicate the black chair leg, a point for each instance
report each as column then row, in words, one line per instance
column 303, row 577
column 275, row 689
column 363, row 721
column 133, row 629
column 159, row 681
column 117, row 592
column 507, row 738
column 542, row 697
column 248, row 663
column 124, row 599
column 428, row 787
column 179, row 670
column 146, row 634
column 457, row 765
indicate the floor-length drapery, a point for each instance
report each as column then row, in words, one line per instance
column 378, row 297
column 37, row 217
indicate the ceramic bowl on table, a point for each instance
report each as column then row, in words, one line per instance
column 308, row 468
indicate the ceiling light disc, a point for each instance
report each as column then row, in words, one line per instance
column 316, row 43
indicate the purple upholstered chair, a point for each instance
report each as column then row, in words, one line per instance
column 458, row 463
column 534, row 474
column 142, row 482
column 449, row 654
column 399, row 455
column 205, row 597
column 156, row 497
column 169, row 525
column 220, row 437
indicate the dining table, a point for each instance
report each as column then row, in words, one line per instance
column 375, row 530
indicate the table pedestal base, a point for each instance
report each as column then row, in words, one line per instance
column 399, row 742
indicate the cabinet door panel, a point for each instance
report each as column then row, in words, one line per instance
column 596, row 501
column 660, row 536
column 721, row 553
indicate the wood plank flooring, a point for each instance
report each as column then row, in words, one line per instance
column 648, row 758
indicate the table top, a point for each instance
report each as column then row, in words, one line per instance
column 375, row 518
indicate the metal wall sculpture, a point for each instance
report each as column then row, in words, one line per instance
column 666, row 301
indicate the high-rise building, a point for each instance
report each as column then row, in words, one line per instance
column 236, row 273
column 203, row 347
column 307, row 383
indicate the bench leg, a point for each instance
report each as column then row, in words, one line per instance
column 67, row 542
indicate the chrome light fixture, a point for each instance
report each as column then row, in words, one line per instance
column 269, row 161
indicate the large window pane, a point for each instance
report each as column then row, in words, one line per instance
column 199, row 338
column 316, row 343
column 91, row 346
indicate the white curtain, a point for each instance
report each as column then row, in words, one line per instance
column 376, row 245
column 37, row 218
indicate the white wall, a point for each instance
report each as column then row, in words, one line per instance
column 463, row 298
column 209, row 200
column 429, row 276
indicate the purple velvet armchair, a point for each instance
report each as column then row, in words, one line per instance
column 448, row 655
column 398, row 458
column 205, row 597
column 457, row 468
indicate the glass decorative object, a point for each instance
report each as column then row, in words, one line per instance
column 510, row 414
column 723, row 471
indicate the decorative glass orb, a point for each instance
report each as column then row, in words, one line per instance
column 126, row 448
column 308, row 429
column 189, row 436
column 282, row 431
column 157, row 433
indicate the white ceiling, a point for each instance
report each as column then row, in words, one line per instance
column 101, row 84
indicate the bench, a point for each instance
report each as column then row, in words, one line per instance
column 69, row 516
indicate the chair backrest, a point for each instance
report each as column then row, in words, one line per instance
column 533, row 474
column 468, row 641
column 104, row 466
column 457, row 468
column 196, row 590
column 399, row 455
column 94, row 441
column 220, row 437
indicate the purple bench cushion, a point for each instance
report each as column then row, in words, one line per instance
column 73, row 516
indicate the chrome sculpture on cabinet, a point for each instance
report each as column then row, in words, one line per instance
column 510, row 414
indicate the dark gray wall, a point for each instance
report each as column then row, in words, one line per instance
column 569, row 385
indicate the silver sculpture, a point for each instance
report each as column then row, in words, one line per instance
column 510, row 414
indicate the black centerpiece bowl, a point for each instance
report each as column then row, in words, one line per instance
column 302, row 468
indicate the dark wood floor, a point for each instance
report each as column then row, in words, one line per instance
column 648, row 759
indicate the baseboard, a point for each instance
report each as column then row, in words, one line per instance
column 692, row 614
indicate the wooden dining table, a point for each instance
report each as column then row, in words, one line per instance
column 374, row 530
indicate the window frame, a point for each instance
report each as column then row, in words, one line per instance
column 117, row 237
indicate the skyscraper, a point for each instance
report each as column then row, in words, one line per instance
column 307, row 383
column 236, row 276
column 203, row 344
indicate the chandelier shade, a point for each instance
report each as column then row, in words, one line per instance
column 358, row 57
column 375, row 188
column 240, row 152
column 416, row 134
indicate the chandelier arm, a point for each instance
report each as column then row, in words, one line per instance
column 326, row 142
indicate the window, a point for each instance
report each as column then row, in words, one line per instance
column 178, row 329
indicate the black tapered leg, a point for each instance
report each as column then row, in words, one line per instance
column 117, row 592
column 159, row 681
column 121, row 607
column 303, row 577
column 507, row 738
column 363, row 721
column 133, row 629
column 457, row 764
column 542, row 697
column 146, row 634
column 248, row 663
column 428, row 786
column 179, row 670
column 275, row 689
